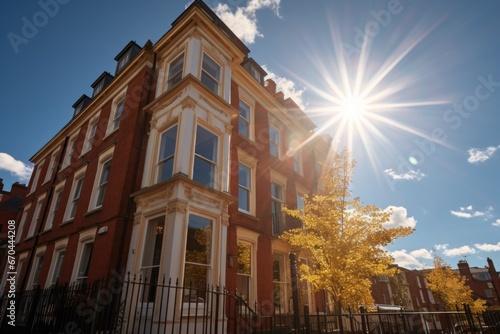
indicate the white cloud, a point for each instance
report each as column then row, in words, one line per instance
column 399, row 218
column 407, row 260
column 496, row 223
column 287, row 86
column 441, row 247
column 15, row 167
column 477, row 155
column 488, row 247
column 460, row 251
column 468, row 212
column 408, row 176
column 243, row 20
column 422, row 253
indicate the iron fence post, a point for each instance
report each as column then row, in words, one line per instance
column 295, row 291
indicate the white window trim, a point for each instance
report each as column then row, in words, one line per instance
column 70, row 150
column 280, row 140
column 60, row 246
column 86, row 144
column 158, row 142
column 220, row 81
column 37, row 215
column 301, row 191
column 22, row 223
column 247, row 98
column 21, row 261
column 217, row 163
column 250, row 120
column 250, row 162
column 103, row 158
column 39, row 253
column 119, row 98
column 251, row 238
column 38, row 171
column 84, row 238
column 78, row 175
column 168, row 63
column 51, row 216
column 52, row 166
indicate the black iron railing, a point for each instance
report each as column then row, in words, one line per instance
column 136, row 305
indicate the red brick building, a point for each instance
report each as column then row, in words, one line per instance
column 178, row 165
column 10, row 204
column 484, row 282
column 74, row 224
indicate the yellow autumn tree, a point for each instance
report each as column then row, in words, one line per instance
column 450, row 289
column 344, row 239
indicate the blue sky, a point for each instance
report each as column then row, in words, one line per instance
column 427, row 75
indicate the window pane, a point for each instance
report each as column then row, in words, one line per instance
column 57, row 267
column 244, row 176
column 167, row 151
column 203, row 172
column 83, row 269
column 276, row 191
column 244, row 119
column 211, row 67
column 244, row 187
column 198, row 250
column 199, row 239
column 210, row 74
column 244, row 259
column 206, row 144
column 175, row 71
column 206, row 157
column 243, row 199
column 118, row 114
column 102, row 183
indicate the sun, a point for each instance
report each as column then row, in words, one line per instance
column 353, row 108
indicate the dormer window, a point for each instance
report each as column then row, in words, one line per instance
column 210, row 74
column 104, row 79
column 81, row 103
column 126, row 55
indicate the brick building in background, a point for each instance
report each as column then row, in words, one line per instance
column 10, row 204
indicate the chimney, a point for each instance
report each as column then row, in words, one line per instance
column 491, row 268
column 1, row 184
column 463, row 268
column 271, row 86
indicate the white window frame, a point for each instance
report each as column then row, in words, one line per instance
column 209, row 266
column 148, row 251
column 297, row 162
column 214, row 164
column 273, row 143
column 174, row 77
column 248, row 121
column 251, row 162
column 37, row 215
column 70, row 150
column 54, row 205
column 24, row 217
column 159, row 163
column 91, row 133
column 55, row 265
column 85, row 237
column 36, row 268
column 216, row 81
column 51, row 167
column 284, row 280
column 37, row 176
column 113, row 119
column 80, row 175
column 250, row 238
column 104, row 158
